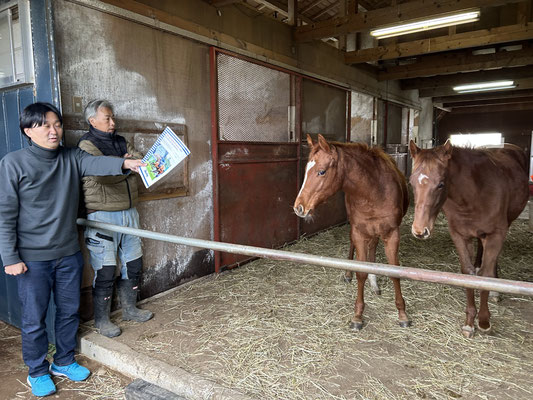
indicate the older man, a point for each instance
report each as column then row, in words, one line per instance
column 111, row 199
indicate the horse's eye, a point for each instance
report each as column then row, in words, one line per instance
column 322, row 172
column 440, row 185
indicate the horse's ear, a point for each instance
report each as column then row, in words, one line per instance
column 447, row 148
column 323, row 143
column 309, row 141
column 413, row 149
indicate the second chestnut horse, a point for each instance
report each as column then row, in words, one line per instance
column 376, row 200
column 481, row 191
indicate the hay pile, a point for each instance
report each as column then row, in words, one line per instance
column 279, row 330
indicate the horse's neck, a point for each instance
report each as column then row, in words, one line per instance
column 460, row 176
column 356, row 172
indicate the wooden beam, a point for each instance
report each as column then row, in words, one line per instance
column 222, row 3
column 489, row 102
column 388, row 15
column 494, row 108
column 468, row 77
column 481, row 37
column 292, row 5
column 480, row 96
column 526, row 83
column 461, row 61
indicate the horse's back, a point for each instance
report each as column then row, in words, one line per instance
column 514, row 163
column 500, row 178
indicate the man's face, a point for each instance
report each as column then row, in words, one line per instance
column 103, row 120
column 49, row 134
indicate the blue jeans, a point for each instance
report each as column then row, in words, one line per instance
column 63, row 277
column 104, row 246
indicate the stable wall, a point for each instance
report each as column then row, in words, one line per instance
column 154, row 71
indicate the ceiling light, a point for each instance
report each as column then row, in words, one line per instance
column 485, row 86
column 419, row 26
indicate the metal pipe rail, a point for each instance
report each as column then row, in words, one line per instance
column 415, row 274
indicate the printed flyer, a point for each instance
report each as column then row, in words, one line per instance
column 166, row 153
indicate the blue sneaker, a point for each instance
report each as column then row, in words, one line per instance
column 74, row 371
column 41, row 385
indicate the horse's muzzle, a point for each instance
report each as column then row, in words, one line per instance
column 421, row 235
column 299, row 211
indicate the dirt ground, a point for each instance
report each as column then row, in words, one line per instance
column 279, row 330
column 102, row 384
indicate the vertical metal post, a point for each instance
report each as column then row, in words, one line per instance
column 214, row 148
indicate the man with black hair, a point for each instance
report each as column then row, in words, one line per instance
column 39, row 190
column 111, row 199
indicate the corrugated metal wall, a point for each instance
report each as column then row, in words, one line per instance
column 12, row 101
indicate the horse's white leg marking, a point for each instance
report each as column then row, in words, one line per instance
column 310, row 165
column 421, row 177
column 373, row 283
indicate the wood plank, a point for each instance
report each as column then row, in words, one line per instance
column 480, row 96
column 481, row 37
column 526, row 83
column 468, row 77
column 388, row 15
column 489, row 102
column 461, row 61
column 494, row 108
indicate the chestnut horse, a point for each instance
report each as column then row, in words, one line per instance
column 481, row 191
column 376, row 200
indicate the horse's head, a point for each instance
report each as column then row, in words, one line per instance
column 429, row 180
column 321, row 178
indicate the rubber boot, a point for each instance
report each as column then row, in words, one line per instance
column 102, row 307
column 127, row 290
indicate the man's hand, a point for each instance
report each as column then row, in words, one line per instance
column 133, row 165
column 16, row 269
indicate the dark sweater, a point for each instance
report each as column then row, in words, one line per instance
column 39, row 195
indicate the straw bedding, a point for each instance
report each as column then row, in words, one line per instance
column 279, row 330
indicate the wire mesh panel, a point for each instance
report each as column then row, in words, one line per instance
column 253, row 101
column 324, row 110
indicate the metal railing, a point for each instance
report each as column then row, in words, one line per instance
column 416, row 274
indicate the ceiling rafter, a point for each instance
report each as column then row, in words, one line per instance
column 467, row 77
column 483, row 37
column 459, row 61
column 522, row 83
column 398, row 13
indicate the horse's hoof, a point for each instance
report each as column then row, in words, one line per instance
column 377, row 291
column 495, row 296
column 468, row 331
column 347, row 279
column 485, row 330
column 356, row 325
column 404, row 324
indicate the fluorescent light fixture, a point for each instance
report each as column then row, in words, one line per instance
column 485, row 86
column 419, row 26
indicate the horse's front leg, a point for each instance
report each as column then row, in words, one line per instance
column 361, row 251
column 372, row 258
column 465, row 253
column 392, row 244
column 492, row 247
column 348, row 275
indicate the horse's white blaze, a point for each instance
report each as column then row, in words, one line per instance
column 421, row 178
column 310, row 165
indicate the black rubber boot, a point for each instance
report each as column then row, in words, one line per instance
column 127, row 290
column 102, row 307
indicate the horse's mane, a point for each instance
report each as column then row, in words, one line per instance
column 376, row 153
column 473, row 155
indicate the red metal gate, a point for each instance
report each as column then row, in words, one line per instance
column 259, row 151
